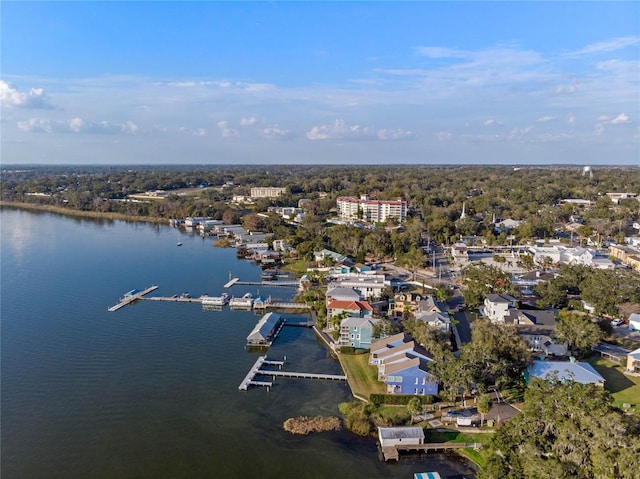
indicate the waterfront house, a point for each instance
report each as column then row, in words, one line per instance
column 396, row 436
column 410, row 377
column 320, row 256
column 370, row 286
column 563, row 371
column 358, row 309
column 381, row 345
column 634, row 322
column 357, row 332
column 342, row 294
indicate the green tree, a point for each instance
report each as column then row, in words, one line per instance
column 565, row 430
column 577, row 330
column 484, row 406
column 414, row 406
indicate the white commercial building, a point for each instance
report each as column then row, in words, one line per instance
column 372, row 211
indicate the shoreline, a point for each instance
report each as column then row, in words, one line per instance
column 81, row 214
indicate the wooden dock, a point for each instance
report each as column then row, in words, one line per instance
column 262, row 360
column 231, row 282
column 270, row 284
column 393, row 452
column 128, row 299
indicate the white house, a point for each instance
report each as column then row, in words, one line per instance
column 496, row 306
column 634, row 322
column 633, row 362
column 579, row 372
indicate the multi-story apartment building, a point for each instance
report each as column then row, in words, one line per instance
column 267, row 192
column 372, row 211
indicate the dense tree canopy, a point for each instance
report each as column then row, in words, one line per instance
column 565, row 430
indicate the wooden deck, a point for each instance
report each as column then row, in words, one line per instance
column 262, row 360
column 393, row 452
column 131, row 298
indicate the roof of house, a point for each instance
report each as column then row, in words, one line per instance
column 405, row 432
column 355, row 322
column 343, row 293
column 635, row 354
column 433, row 317
column 389, row 342
column 528, row 317
column 349, row 305
column 430, row 303
column 263, row 329
column 500, row 298
column 404, row 365
column 579, row 372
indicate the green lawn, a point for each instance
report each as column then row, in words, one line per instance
column 625, row 389
column 362, row 377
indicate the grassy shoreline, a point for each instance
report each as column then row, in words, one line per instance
column 82, row 214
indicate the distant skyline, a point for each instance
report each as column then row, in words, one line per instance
column 320, row 83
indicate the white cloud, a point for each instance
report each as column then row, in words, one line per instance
column 399, row 134
column 621, row 119
column 340, row 130
column 493, row 123
column 607, row 46
column 571, row 119
column 200, row 132
column 226, row 131
column 444, row 135
column 545, row 119
column 248, row 121
column 77, row 125
column 275, row 132
column 35, row 98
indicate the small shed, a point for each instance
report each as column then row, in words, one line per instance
column 395, row 436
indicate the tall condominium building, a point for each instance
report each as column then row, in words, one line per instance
column 373, row 211
column 267, row 192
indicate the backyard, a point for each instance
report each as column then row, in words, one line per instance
column 625, row 389
column 362, row 377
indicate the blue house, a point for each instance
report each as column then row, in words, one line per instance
column 357, row 332
column 410, row 377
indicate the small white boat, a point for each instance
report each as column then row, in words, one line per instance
column 246, row 302
column 179, row 243
column 216, row 300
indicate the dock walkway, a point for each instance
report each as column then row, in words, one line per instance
column 262, row 360
column 393, row 452
column 128, row 299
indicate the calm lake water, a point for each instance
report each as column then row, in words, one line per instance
column 152, row 389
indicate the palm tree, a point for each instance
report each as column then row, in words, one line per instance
column 414, row 406
column 484, row 406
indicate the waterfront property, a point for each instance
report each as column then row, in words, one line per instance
column 371, row 211
column 266, row 330
column 357, row 332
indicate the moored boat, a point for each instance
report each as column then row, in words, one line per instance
column 216, row 300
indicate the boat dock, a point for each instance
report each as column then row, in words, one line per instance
column 231, row 282
column 270, row 284
column 262, row 360
column 393, row 452
column 130, row 297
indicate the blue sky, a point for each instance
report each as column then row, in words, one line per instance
column 322, row 83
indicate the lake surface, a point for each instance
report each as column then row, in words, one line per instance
column 151, row 390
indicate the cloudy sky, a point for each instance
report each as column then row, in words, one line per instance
column 322, row 83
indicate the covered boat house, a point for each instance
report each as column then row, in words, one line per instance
column 265, row 331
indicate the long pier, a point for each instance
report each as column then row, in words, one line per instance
column 128, row 299
column 271, row 284
column 393, row 452
column 262, row 360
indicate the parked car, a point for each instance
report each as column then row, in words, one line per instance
column 617, row 322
